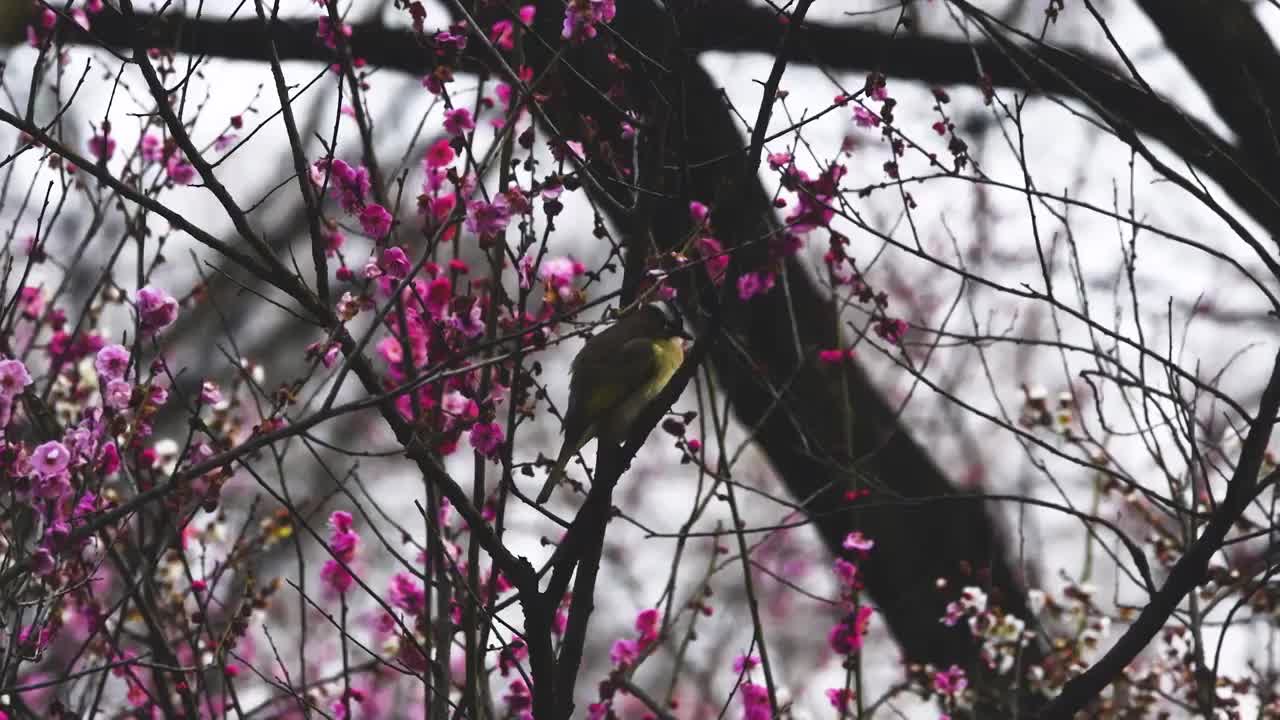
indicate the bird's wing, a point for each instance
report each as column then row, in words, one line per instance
column 601, row 384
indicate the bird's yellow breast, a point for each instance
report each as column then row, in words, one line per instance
column 668, row 355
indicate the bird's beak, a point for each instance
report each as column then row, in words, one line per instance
column 685, row 335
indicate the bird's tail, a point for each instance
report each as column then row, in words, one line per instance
column 557, row 472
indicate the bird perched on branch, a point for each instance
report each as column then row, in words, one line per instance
column 615, row 375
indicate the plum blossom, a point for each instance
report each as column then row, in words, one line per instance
column 440, row 154
column 846, row 636
column 558, row 274
column 624, row 652
column 487, row 439
column 50, row 459
column 951, row 681
column 864, row 118
column 754, row 283
column 407, row 594
column 112, row 362
column 715, row 258
column 179, row 170
column 458, row 121
column 891, row 329
column 582, row 16
column 857, row 542
column 375, row 220
column 14, row 378
column 157, row 309
column 118, row 394
column 488, row 218
column 755, row 702
column 342, row 543
column 151, row 147
column 102, row 146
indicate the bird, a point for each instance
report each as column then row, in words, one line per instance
column 614, row 376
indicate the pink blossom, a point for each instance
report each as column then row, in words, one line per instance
column 846, row 572
column 891, row 330
column 458, row 120
column 582, row 16
column 864, row 118
column 326, row 34
column 835, row 357
column 503, row 34
column 349, row 184
column 102, row 146
column 407, row 594
column 698, row 212
column 857, row 542
column 950, row 681
column 558, row 273
column 745, row 664
column 755, row 702
column 342, row 538
column 846, row 636
column 395, row 263
column 111, row 362
column 647, row 622
column 716, row 260
column 179, row 170
column 599, row 710
column 518, row 699
column 487, row 439
column 118, row 394
column 14, row 378
column 157, row 309
column 624, row 652
column 375, row 220
column 50, row 459
column 779, row 160
column 151, row 148
column 754, row 283
column 439, row 154
column 210, row 393
column 488, row 218
column 840, row 698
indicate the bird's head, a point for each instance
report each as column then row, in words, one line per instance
column 666, row 318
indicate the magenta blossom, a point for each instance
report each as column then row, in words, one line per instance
column 157, row 309
column 624, row 653
column 951, row 681
column 846, row 637
column 151, row 147
column 458, row 120
column 439, row 154
column 856, row 542
column 375, row 220
column 582, row 16
column 755, row 702
column 488, row 218
column 50, row 459
column 102, row 146
column 407, row 594
column 180, row 171
column 112, row 362
column 753, row 284
column 118, row 394
column 14, row 378
column 487, row 439
column 745, row 664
